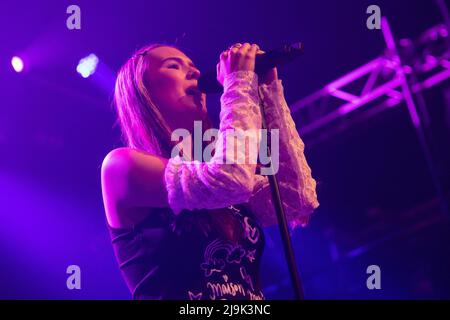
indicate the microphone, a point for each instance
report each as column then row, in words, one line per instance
column 208, row 83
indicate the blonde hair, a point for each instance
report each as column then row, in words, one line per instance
column 142, row 125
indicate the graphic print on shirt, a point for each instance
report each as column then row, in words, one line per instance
column 246, row 277
column 251, row 255
column 236, row 255
column 251, row 232
column 193, row 296
column 222, row 256
column 213, row 261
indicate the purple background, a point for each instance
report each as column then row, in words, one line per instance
column 56, row 127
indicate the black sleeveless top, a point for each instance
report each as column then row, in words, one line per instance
column 167, row 257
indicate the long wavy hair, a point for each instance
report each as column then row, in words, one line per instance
column 144, row 128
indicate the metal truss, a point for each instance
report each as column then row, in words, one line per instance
column 378, row 85
column 400, row 75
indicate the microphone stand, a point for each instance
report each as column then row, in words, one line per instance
column 281, row 215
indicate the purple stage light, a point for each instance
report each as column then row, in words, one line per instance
column 87, row 65
column 17, row 64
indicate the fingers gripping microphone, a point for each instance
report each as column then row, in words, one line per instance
column 208, row 81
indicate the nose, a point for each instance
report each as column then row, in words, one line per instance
column 194, row 73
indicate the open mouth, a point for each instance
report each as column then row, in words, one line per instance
column 196, row 95
column 193, row 91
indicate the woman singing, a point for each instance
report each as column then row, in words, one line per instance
column 187, row 229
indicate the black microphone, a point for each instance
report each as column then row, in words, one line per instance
column 208, row 81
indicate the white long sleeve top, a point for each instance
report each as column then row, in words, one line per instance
column 219, row 182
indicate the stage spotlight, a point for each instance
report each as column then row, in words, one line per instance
column 17, row 64
column 87, row 65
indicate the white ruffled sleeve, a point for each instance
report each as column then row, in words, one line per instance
column 297, row 186
column 222, row 181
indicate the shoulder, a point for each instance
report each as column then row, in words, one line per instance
column 134, row 178
column 117, row 158
column 117, row 167
column 114, row 173
column 122, row 166
column 123, row 180
column 122, row 160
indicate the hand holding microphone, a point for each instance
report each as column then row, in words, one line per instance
column 265, row 65
column 242, row 57
column 237, row 58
